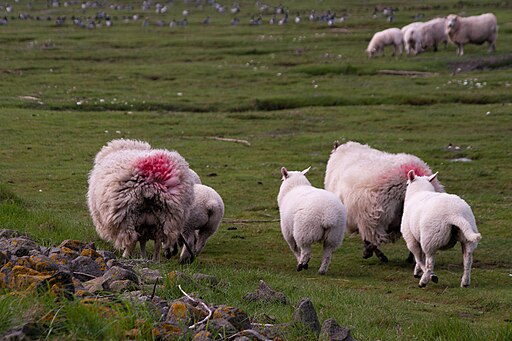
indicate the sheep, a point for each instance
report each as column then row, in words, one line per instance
column 137, row 193
column 371, row 184
column 472, row 30
column 436, row 221
column 432, row 33
column 391, row 36
column 205, row 217
column 309, row 215
column 411, row 38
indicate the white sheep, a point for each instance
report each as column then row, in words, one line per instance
column 390, row 36
column 411, row 38
column 436, row 221
column 433, row 34
column 371, row 184
column 309, row 215
column 472, row 30
column 137, row 193
column 205, row 217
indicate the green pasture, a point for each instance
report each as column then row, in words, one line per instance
column 290, row 91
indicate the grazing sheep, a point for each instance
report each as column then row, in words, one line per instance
column 195, row 177
column 371, row 184
column 205, row 216
column 411, row 38
column 436, row 221
column 472, row 30
column 137, row 193
column 433, row 34
column 309, row 215
column 391, row 36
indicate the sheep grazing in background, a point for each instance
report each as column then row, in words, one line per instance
column 436, row 221
column 309, row 215
column 411, row 38
column 137, row 193
column 371, row 184
column 433, row 34
column 472, row 30
column 205, row 216
column 391, row 36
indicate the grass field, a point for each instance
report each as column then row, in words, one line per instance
column 290, row 91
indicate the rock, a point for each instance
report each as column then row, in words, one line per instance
column 178, row 277
column 5, row 256
column 203, row 335
column 207, row 280
column 60, row 283
column 150, row 276
column 233, row 315
column 18, row 246
column 266, row 294
column 95, row 285
column 123, row 285
column 76, row 245
column 332, row 331
column 305, row 315
column 107, row 255
column 28, row 331
column 220, row 327
column 117, row 273
column 87, row 266
column 8, row 234
column 168, row 331
column 43, row 263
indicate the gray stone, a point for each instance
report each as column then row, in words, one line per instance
column 305, row 315
column 117, row 273
column 266, row 294
column 332, row 331
column 7, row 234
column 150, row 276
column 221, row 328
column 85, row 266
column 123, row 285
column 18, row 246
column 107, row 255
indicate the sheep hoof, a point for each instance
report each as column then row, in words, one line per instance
column 464, row 286
column 434, row 278
column 299, row 267
column 367, row 254
column 422, row 285
column 383, row 258
column 322, row 272
column 417, row 275
column 187, row 260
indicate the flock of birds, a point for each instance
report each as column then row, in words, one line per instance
column 147, row 10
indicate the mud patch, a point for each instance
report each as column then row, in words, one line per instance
column 482, row 63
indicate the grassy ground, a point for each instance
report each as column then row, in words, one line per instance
column 290, row 91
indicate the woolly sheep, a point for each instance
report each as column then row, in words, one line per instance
column 411, row 38
column 309, row 215
column 205, row 216
column 432, row 33
column 137, row 193
column 436, row 221
column 472, row 30
column 371, row 184
column 391, row 36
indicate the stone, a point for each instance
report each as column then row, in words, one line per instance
column 305, row 315
column 61, row 284
column 266, row 294
column 28, row 331
column 237, row 317
column 203, row 335
column 43, row 263
column 76, row 245
column 123, row 285
column 87, row 266
column 332, row 331
column 151, row 276
column 220, row 328
column 18, row 246
column 207, row 280
column 95, row 285
column 117, row 273
column 167, row 331
column 107, row 255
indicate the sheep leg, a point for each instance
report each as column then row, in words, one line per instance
column 492, row 47
column 381, row 255
column 158, row 248
column 187, row 254
column 326, row 259
column 128, row 250
column 415, row 248
column 460, row 49
column 428, row 274
column 142, row 249
column 305, row 256
column 204, row 234
column 368, row 249
column 467, row 254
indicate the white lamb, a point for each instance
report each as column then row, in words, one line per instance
column 411, row 38
column 205, row 217
column 309, row 215
column 137, row 193
column 391, row 36
column 436, row 221
column 371, row 184
column 433, row 34
column 472, row 30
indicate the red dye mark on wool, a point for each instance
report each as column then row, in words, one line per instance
column 158, row 169
column 418, row 169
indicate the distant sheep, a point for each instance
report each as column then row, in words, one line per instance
column 472, row 30
column 205, row 217
column 137, row 193
column 433, row 34
column 371, row 184
column 411, row 38
column 436, row 221
column 309, row 215
column 391, row 36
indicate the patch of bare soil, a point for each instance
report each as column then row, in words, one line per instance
column 482, row 63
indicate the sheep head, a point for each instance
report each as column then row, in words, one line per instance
column 421, row 183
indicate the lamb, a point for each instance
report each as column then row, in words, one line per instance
column 205, row 217
column 436, row 221
column 391, row 36
column 472, row 30
column 433, row 34
column 309, row 215
column 371, row 184
column 411, row 38
column 137, row 193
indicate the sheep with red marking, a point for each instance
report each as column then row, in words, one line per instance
column 371, row 184
column 137, row 194
column 436, row 221
column 472, row 30
column 390, row 36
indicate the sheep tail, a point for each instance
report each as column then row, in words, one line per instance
column 467, row 228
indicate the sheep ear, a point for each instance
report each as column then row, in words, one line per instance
column 336, row 144
column 306, row 170
column 411, row 175
column 284, row 172
column 432, row 177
